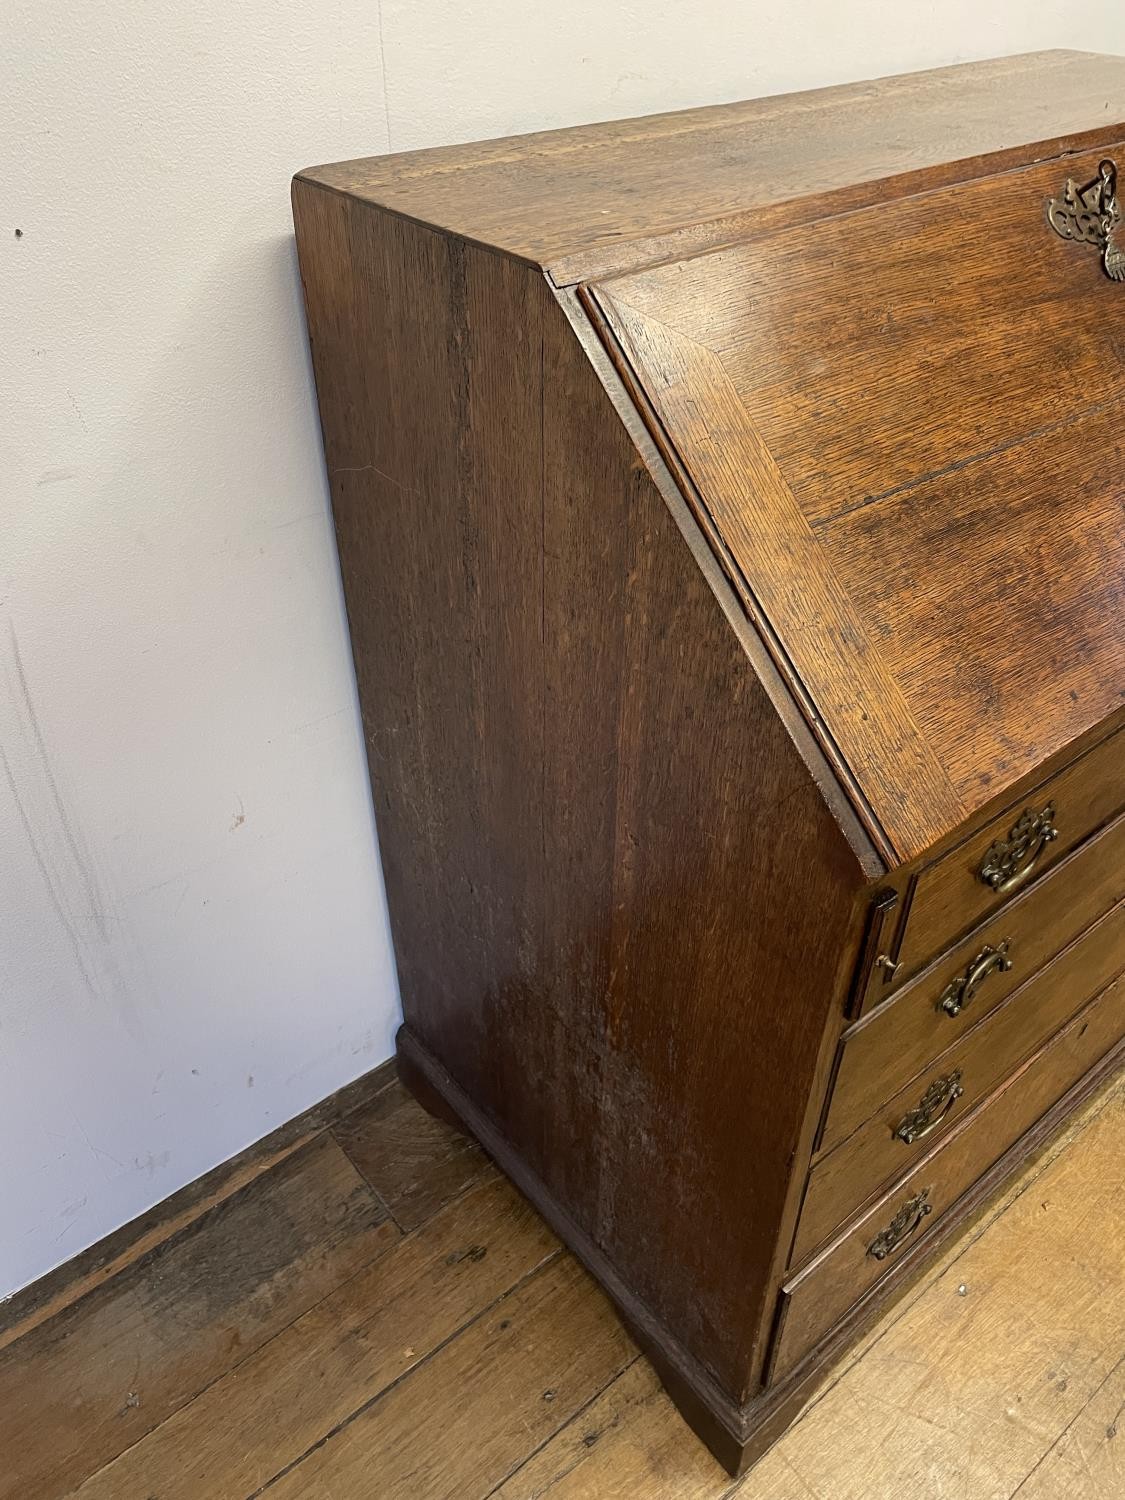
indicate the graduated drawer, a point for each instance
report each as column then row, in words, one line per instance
column 815, row 1300
column 970, row 882
column 925, row 1111
column 889, row 1047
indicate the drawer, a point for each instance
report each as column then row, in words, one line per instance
column 1015, row 848
column 926, row 1110
column 890, row 1046
column 814, row 1301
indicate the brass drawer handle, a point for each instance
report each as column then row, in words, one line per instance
column 931, row 1109
column 1010, row 861
column 958, row 992
column 902, row 1226
column 1089, row 212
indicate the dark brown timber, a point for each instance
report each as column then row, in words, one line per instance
column 740, row 640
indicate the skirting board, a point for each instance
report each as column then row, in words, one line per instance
column 738, row 1435
column 32, row 1304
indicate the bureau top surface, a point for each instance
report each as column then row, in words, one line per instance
column 891, row 391
column 588, row 200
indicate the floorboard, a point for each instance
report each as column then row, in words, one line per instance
column 1087, row 1461
column 378, row 1314
column 86, row 1271
column 962, row 1396
column 83, row 1386
column 416, row 1163
column 467, row 1418
column 273, row 1408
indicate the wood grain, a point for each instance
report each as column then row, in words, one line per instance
column 892, row 1045
column 1021, row 593
column 790, row 574
column 841, row 1182
column 414, row 1162
column 521, row 1372
column 583, row 201
column 108, row 1257
column 979, row 329
column 628, row 1443
column 84, row 1386
column 855, row 467
column 860, row 1437
column 1030, row 1341
column 333, row 1361
column 511, row 573
column 820, row 1294
column 950, row 896
column 1087, row 1459
column 1028, row 1414
column 685, row 634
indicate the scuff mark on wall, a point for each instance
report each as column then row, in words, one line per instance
column 77, row 411
column 53, row 892
column 58, row 847
column 96, row 1151
column 94, row 899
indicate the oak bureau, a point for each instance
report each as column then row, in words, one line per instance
column 730, row 512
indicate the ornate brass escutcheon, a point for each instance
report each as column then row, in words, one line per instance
column 902, row 1226
column 931, row 1109
column 1010, row 861
column 958, row 992
column 1089, row 212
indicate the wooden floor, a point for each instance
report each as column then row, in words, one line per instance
column 371, row 1311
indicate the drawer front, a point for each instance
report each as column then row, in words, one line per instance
column 888, row 1048
column 815, row 1300
column 927, row 1109
column 979, row 876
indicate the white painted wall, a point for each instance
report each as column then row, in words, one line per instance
column 192, row 939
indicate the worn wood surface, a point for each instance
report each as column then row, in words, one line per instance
column 414, row 1162
column 964, row 1395
column 1009, row 669
column 569, row 746
column 648, row 719
column 891, row 1046
column 822, row 1293
column 577, row 201
column 520, row 1373
column 963, row 343
column 83, row 1273
column 950, row 896
column 472, row 1359
column 1087, row 1460
column 100, row 1374
column 274, row 1406
column 864, row 457
column 786, row 566
column 842, row 1181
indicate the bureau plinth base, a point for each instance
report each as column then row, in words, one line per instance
column 737, row 1435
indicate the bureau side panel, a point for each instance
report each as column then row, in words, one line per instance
column 730, row 919
column 427, row 359
column 620, row 905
